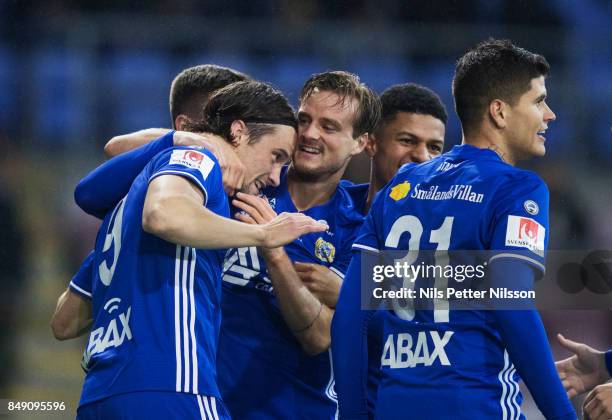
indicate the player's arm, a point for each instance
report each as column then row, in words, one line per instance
column 72, row 316
column 174, row 211
column 100, row 190
column 517, row 327
column 515, row 265
column 349, row 346
column 231, row 166
column 307, row 317
column 126, row 142
column 585, row 369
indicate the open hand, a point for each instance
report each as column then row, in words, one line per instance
column 584, row 370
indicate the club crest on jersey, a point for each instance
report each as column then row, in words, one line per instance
column 525, row 232
column 531, row 207
column 400, row 191
column 192, row 159
column 324, row 250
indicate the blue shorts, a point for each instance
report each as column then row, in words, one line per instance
column 151, row 405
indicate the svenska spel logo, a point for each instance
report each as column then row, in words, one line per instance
column 192, row 159
column 192, row 156
column 525, row 232
column 528, row 229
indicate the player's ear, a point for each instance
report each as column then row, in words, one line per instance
column 371, row 146
column 360, row 143
column 239, row 133
column 180, row 121
column 498, row 112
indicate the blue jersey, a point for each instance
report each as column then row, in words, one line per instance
column 156, row 305
column 359, row 195
column 81, row 282
column 441, row 363
column 263, row 371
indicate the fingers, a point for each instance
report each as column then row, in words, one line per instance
column 309, row 225
column 590, row 397
column 221, row 158
column 250, row 211
column 560, row 371
column 228, row 185
column 568, row 344
column 233, row 177
column 317, row 227
column 594, row 409
column 302, row 267
column 307, row 280
column 245, row 218
column 287, row 227
column 260, row 203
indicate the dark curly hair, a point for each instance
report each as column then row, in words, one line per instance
column 413, row 99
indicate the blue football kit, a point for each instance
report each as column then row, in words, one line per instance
column 438, row 360
column 359, row 195
column 263, row 371
column 299, row 386
column 156, row 305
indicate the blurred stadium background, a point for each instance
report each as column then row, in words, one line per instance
column 73, row 73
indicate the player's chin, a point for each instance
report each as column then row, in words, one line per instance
column 306, row 165
column 539, row 150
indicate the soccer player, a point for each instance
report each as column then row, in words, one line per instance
column 337, row 114
column 189, row 93
column 278, row 303
column 158, row 258
column 587, row 370
column 443, row 363
column 411, row 130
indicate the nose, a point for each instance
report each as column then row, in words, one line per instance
column 549, row 115
column 274, row 178
column 419, row 153
column 308, row 131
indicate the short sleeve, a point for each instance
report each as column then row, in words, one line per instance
column 367, row 238
column 519, row 228
column 81, row 283
column 197, row 165
column 343, row 259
